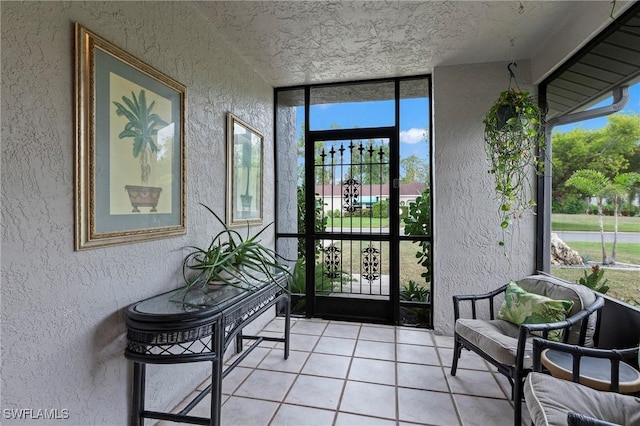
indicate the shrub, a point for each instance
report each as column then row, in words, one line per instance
column 418, row 222
column 571, row 205
column 414, row 292
column 380, row 209
column 358, row 213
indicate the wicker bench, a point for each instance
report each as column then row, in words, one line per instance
column 508, row 346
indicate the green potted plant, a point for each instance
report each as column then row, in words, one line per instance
column 232, row 259
column 514, row 140
column 142, row 126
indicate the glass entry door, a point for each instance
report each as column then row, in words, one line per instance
column 353, row 200
column 355, row 243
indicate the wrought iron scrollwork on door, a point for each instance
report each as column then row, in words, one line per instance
column 370, row 263
column 332, row 261
column 350, row 194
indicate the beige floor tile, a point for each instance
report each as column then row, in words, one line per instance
column 301, row 342
column 474, row 382
column 373, row 371
column 375, row 350
column 377, row 334
column 346, row 419
column 433, row 408
column 276, row 324
column 417, row 354
column 443, row 341
column 325, row 365
column 266, row 343
column 413, row 336
column 369, row 399
column 337, row 329
column 238, row 411
column 275, row 361
column 269, row 385
column 504, row 384
column 335, row 346
column 313, row 381
column 478, row 411
column 234, row 379
column 253, row 359
column 425, row 377
column 292, row 415
column 468, row 360
column 203, row 409
column 308, row 327
column 318, row 392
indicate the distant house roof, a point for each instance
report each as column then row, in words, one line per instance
column 367, row 190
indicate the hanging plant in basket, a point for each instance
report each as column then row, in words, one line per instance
column 514, row 139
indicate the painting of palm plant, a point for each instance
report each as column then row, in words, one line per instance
column 142, row 126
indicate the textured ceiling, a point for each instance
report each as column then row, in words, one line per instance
column 302, row 42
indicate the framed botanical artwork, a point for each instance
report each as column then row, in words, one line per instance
column 129, row 147
column 244, row 172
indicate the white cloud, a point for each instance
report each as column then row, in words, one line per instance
column 413, row 135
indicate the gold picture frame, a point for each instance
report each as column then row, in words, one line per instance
column 129, row 147
column 245, row 154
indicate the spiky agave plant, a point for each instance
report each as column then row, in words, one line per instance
column 232, row 259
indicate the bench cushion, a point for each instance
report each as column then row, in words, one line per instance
column 555, row 288
column 496, row 338
column 550, row 399
column 499, row 338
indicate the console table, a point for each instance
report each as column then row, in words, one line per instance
column 197, row 325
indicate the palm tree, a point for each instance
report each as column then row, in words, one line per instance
column 621, row 187
column 142, row 126
column 592, row 183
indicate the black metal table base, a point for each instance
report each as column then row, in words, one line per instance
column 201, row 335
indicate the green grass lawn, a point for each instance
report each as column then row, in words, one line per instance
column 357, row 222
column 584, row 222
column 625, row 252
column 559, row 222
column 623, row 284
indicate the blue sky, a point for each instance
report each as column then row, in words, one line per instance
column 415, row 115
column 414, row 119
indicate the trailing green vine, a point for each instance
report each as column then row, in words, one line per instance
column 514, row 139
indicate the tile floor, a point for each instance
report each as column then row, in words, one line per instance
column 348, row 374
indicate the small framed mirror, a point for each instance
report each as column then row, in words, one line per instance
column 244, row 172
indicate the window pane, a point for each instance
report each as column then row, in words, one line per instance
column 595, row 221
column 352, row 106
column 414, row 131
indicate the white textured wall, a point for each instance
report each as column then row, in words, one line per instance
column 467, row 258
column 63, row 311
